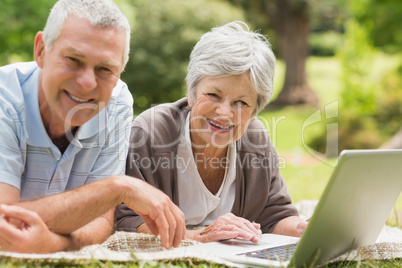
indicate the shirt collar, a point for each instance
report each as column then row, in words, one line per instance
column 37, row 135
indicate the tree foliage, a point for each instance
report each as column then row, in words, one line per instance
column 370, row 108
column 382, row 21
column 19, row 22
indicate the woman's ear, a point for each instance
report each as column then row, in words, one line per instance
column 190, row 102
column 39, row 49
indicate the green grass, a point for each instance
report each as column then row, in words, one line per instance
column 98, row 264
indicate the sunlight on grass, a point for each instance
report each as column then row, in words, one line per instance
column 324, row 76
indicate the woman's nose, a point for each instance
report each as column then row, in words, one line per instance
column 224, row 109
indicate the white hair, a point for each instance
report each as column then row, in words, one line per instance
column 103, row 13
column 233, row 49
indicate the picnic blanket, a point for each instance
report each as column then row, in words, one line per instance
column 137, row 248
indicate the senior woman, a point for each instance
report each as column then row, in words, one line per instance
column 208, row 152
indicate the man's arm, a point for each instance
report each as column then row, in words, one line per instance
column 31, row 234
column 69, row 211
column 9, row 194
column 16, row 228
column 95, row 232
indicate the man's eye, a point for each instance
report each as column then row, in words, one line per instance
column 212, row 95
column 74, row 60
column 105, row 69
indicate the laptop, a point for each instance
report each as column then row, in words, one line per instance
column 351, row 212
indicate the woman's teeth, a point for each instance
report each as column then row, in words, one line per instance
column 219, row 126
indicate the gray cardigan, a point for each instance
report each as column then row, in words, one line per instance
column 261, row 192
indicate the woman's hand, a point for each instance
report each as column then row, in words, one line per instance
column 22, row 230
column 292, row 226
column 228, row 226
column 301, row 226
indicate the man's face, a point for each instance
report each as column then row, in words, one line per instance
column 78, row 73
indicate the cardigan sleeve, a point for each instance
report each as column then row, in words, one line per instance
column 125, row 218
column 151, row 156
column 278, row 204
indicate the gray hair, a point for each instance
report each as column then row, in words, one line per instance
column 103, row 13
column 233, row 49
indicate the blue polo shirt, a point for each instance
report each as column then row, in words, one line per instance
column 28, row 158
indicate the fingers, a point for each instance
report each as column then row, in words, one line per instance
column 163, row 229
column 230, row 226
column 253, row 228
column 170, row 226
column 160, row 214
column 247, row 230
column 9, row 231
column 19, row 213
column 5, row 229
column 180, row 233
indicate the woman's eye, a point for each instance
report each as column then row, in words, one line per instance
column 242, row 103
column 212, row 95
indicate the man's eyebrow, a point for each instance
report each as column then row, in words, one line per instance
column 75, row 52
column 112, row 63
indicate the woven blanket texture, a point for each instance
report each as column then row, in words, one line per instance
column 133, row 247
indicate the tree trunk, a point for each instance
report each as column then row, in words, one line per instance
column 291, row 23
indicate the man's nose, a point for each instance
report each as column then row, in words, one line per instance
column 87, row 79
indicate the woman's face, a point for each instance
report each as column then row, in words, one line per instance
column 222, row 110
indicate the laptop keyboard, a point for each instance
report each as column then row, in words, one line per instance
column 280, row 253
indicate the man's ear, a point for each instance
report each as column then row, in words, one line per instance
column 39, row 49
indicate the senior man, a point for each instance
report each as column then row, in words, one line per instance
column 65, row 121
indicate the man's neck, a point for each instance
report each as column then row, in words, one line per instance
column 63, row 141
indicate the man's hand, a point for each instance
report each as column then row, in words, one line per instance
column 229, row 226
column 22, row 230
column 160, row 214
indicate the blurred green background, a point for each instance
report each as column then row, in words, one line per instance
column 337, row 59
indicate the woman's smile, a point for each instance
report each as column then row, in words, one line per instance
column 221, row 127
